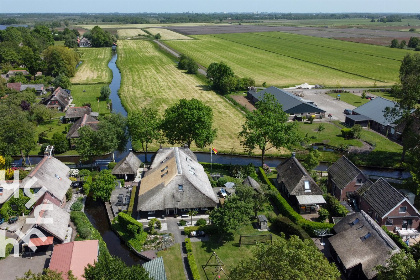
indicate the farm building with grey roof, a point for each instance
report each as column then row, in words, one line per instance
column 127, row 168
column 291, row 104
column 176, row 182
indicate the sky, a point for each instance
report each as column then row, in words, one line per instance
column 208, row 6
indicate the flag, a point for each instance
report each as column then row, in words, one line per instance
column 214, row 150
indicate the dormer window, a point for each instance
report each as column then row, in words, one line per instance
column 307, row 187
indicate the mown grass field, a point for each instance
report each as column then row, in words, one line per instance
column 283, row 59
column 83, row 94
column 94, row 68
column 150, row 78
column 168, row 34
column 130, row 32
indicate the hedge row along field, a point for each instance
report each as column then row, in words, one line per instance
column 150, row 78
column 284, row 59
column 94, row 68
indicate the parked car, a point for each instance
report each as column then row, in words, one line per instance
column 13, row 220
column 197, row 233
column 348, row 112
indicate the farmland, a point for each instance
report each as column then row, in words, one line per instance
column 150, row 78
column 168, row 34
column 130, row 32
column 283, row 59
column 94, row 67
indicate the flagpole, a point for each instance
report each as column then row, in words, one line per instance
column 211, row 159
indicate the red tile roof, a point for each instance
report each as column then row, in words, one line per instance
column 38, row 242
column 74, row 256
column 14, row 86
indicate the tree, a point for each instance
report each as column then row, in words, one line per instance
column 286, row 259
column 400, row 266
column 108, row 266
column 413, row 42
column 47, row 275
column 311, row 160
column 158, row 36
column 144, row 127
column 99, row 37
column 189, row 121
column 187, row 63
column 394, row 43
column 105, row 93
column 60, row 143
column 62, row 81
column 403, row 43
column 231, row 215
column 192, row 213
column 102, row 185
column 218, row 75
column 268, row 127
column 60, row 60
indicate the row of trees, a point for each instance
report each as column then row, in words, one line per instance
column 187, row 63
column 223, row 80
column 412, row 43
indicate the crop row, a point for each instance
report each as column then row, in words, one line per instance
column 263, row 66
column 363, row 65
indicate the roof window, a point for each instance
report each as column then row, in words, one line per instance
column 307, row 187
column 355, row 221
column 181, row 188
column 363, row 238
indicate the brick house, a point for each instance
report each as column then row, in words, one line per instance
column 387, row 206
column 344, row 178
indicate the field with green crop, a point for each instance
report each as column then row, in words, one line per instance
column 150, row 78
column 94, row 68
column 284, row 59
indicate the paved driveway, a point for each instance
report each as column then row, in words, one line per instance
column 12, row 267
column 328, row 103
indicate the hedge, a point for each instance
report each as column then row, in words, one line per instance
column 188, row 230
column 188, row 245
column 82, row 223
column 124, row 220
column 208, row 229
column 287, row 210
column 284, row 224
column 132, row 198
column 397, row 239
column 193, row 266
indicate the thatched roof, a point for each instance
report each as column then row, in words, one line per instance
column 54, row 221
column 128, row 165
column 63, row 97
column 381, row 197
column 175, row 180
column 77, row 112
column 51, row 174
column 343, row 171
column 249, row 181
column 85, row 120
column 294, row 176
column 360, row 240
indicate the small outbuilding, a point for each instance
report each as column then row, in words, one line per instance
column 127, row 168
column 262, row 222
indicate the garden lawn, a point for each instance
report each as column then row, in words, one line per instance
column 150, row 78
column 284, row 59
column 83, row 94
column 173, row 262
column 331, row 135
column 351, row 98
column 94, row 68
column 230, row 253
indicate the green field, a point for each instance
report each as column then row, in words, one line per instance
column 94, row 68
column 284, row 59
column 150, row 78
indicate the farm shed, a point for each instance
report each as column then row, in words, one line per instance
column 262, row 222
column 375, row 110
column 292, row 104
column 352, row 120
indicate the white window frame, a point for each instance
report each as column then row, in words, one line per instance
column 402, row 207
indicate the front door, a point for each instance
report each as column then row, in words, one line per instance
column 407, row 224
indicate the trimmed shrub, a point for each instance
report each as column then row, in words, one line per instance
column 193, row 266
column 188, row 230
column 323, row 214
column 132, row 198
column 397, row 239
column 334, row 207
column 286, row 210
column 347, row 133
column 182, row 223
column 284, row 224
column 85, row 233
column 188, row 245
column 69, row 194
column 201, row 222
column 111, row 165
column 77, row 206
